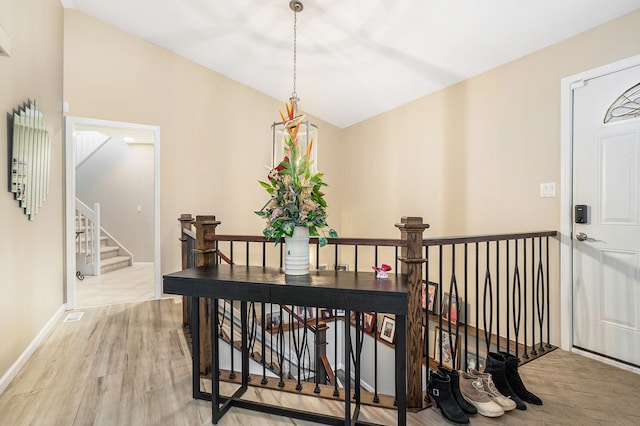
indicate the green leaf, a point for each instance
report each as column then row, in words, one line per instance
column 322, row 241
column 333, row 233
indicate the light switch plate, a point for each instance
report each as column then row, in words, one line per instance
column 548, row 190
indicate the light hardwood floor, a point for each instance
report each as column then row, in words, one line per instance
column 131, row 284
column 130, row 365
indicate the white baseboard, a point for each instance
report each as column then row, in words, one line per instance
column 606, row 360
column 13, row 371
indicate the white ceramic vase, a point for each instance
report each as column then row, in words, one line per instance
column 296, row 259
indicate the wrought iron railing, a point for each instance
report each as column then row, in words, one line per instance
column 491, row 293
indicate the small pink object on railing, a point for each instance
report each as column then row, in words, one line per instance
column 381, row 272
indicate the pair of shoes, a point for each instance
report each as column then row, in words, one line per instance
column 515, row 381
column 505, row 402
column 503, row 367
column 454, row 376
column 473, row 390
column 442, row 396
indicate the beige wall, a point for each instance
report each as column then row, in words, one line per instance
column 470, row 158
column 215, row 135
column 31, row 253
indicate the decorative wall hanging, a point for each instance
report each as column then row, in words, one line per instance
column 30, row 159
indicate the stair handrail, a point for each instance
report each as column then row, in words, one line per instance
column 91, row 229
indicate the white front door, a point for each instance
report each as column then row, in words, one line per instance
column 606, row 248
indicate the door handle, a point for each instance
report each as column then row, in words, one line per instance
column 581, row 236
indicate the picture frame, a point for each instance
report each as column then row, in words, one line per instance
column 447, row 351
column 272, row 320
column 326, row 313
column 388, row 330
column 450, row 309
column 471, row 362
column 429, row 291
column 342, row 267
column 310, row 312
column 368, row 321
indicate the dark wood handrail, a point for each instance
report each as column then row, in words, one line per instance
column 392, row 242
column 485, row 238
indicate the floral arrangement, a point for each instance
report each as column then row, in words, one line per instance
column 296, row 193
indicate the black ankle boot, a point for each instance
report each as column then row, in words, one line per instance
column 516, row 382
column 441, row 396
column 497, row 367
column 454, row 377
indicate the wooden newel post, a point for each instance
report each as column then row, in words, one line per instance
column 411, row 230
column 185, row 223
column 205, row 254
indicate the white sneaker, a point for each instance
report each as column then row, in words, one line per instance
column 506, row 403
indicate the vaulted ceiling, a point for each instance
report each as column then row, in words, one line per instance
column 355, row 58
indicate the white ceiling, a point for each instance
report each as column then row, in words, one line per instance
column 356, row 58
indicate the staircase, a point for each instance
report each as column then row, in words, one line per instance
column 112, row 256
column 97, row 252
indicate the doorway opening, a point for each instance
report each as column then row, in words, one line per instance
column 112, row 212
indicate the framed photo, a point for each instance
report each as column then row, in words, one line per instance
column 429, row 291
column 472, row 363
column 450, row 308
column 272, row 320
column 388, row 329
column 340, row 312
column 368, row 321
column 326, row 314
column 305, row 312
column 448, row 345
column 342, row 267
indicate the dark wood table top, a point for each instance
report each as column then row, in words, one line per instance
column 360, row 291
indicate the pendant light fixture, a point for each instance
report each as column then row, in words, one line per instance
column 308, row 132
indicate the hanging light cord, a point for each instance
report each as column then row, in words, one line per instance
column 294, row 95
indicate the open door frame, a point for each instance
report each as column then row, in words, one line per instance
column 70, row 191
column 566, row 200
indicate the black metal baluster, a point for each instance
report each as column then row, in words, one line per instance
column 497, row 296
column 524, row 296
column 440, row 302
column 355, row 266
column 247, row 253
column 516, row 286
column 396, row 260
column 335, row 348
column 540, row 289
column 466, row 311
column 488, row 289
column 454, row 295
column 232, row 373
column 264, row 254
column 376, row 398
column 477, row 298
column 281, row 351
column 317, row 353
column 335, row 262
column 264, row 380
column 533, row 297
column 548, row 302
column 281, row 255
column 231, row 252
column 507, row 274
column 427, row 353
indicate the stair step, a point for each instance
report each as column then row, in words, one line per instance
column 108, row 252
column 115, row 263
